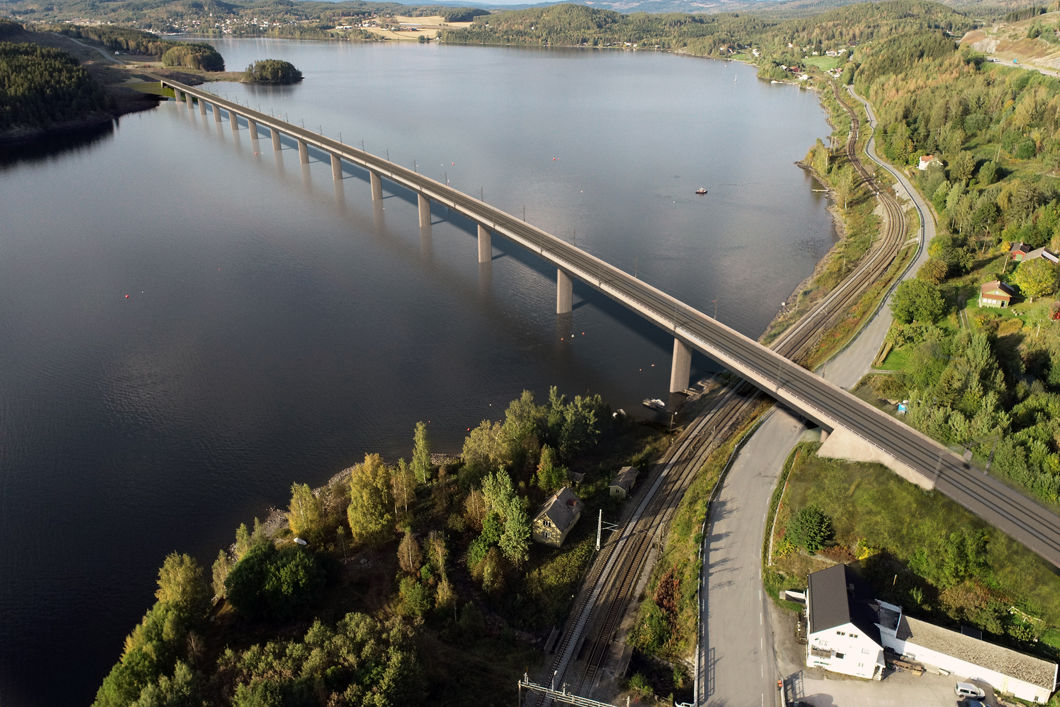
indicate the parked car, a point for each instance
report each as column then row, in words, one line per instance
column 967, row 689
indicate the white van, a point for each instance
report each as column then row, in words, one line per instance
column 967, row 689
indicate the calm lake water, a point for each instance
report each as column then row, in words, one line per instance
column 191, row 322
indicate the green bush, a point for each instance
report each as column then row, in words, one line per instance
column 810, row 528
column 274, row 583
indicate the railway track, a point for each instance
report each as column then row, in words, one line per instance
column 610, row 586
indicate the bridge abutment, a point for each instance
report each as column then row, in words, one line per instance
column 336, row 167
column 680, row 366
column 485, row 244
column 303, row 152
column 424, row 205
column 564, row 293
column 377, row 185
column 844, row 444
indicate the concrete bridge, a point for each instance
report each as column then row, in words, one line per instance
column 855, row 430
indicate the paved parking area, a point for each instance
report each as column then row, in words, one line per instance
column 824, row 689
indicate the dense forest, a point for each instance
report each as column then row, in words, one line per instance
column 720, row 34
column 42, row 87
column 977, row 376
column 272, row 71
column 385, row 565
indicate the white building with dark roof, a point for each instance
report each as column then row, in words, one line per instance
column 1009, row 671
column 841, row 630
column 848, row 630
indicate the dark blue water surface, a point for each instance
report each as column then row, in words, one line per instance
column 190, row 321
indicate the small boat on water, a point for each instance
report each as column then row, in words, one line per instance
column 701, row 191
column 653, row 403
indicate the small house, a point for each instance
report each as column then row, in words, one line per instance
column 928, row 161
column 841, row 630
column 623, row 482
column 1021, row 253
column 995, row 294
column 557, row 516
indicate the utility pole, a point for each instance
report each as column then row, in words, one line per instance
column 601, row 527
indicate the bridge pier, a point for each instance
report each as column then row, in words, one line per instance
column 253, row 129
column 485, row 244
column 564, row 293
column 202, row 107
column 189, row 101
column 303, row 152
column 216, row 112
column 680, row 367
column 233, row 118
column 336, row 167
column 275, row 138
column 425, row 211
column 377, row 185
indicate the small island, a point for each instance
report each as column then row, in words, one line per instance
column 272, row 71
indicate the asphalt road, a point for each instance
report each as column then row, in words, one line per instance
column 736, row 643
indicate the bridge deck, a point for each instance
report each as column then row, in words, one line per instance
column 801, row 390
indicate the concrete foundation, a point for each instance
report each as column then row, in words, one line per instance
column 425, row 211
column 377, row 186
column 275, row 139
column 680, row 367
column 843, row 444
column 303, row 152
column 253, row 129
column 485, row 244
column 564, row 293
column 336, row 167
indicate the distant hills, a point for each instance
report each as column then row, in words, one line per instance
column 59, row 9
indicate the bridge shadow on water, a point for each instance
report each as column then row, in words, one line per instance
column 395, row 240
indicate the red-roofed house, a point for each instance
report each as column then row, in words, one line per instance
column 1021, row 253
column 928, row 161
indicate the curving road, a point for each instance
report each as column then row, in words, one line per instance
column 807, row 393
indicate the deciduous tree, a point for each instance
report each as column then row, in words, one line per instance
column 369, row 514
column 181, row 585
column 306, row 513
column 421, row 453
column 1035, row 278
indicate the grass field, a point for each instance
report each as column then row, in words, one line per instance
column 824, row 63
column 872, row 513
